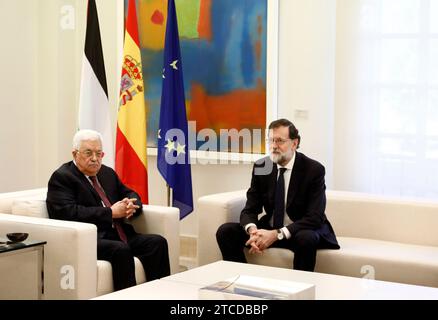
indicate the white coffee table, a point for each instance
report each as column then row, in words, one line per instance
column 185, row 285
column 155, row 290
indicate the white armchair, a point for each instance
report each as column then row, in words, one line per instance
column 381, row 237
column 74, row 243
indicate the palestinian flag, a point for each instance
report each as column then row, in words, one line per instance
column 94, row 110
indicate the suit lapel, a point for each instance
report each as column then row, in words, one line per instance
column 106, row 185
column 84, row 180
column 295, row 179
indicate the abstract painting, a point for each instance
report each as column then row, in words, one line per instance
column 223, row 47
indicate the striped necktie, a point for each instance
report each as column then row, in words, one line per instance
column 117, row 222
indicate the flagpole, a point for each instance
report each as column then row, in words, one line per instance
column 168, row 195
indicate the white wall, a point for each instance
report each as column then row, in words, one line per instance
column 353, row 167
column 39, row 103
column 18, row 65
column 306, row 74
column 42, row 60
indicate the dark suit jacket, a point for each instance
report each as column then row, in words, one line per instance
column 305, row 203
column 71, row 196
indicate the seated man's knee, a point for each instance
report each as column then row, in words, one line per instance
column 122, row 250
column 224, row 231
column 307, row 239
column 160, row 241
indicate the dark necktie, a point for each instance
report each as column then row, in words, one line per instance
column 117, row 223
column 279, row 201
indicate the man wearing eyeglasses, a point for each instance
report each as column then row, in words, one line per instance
column 85, row 190
column 290, row 188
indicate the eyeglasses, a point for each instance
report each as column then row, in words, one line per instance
column 278, row 141
column 89, row 153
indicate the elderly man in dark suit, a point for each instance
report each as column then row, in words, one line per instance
column 290, row 188
column 85, row 190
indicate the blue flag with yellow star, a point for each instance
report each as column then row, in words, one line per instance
column 173, row 152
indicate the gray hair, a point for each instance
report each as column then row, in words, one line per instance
column 84, row 135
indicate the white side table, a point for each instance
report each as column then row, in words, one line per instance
column 21, row 268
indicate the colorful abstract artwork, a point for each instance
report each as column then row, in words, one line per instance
column 223, row 47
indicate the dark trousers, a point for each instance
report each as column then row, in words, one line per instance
column 231, row 238
column 150, row 249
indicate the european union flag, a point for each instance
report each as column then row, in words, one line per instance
column 173, row 152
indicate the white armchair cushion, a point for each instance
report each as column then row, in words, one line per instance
column 140, row 275
column 274, row 257
column 31, row 207
column 383, row 260
column 7, row 198
column 105, row 276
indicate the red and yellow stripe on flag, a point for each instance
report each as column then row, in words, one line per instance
column 131, row 158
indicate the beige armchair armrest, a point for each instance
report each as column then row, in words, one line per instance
column 214, row 210
column 165, row 222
